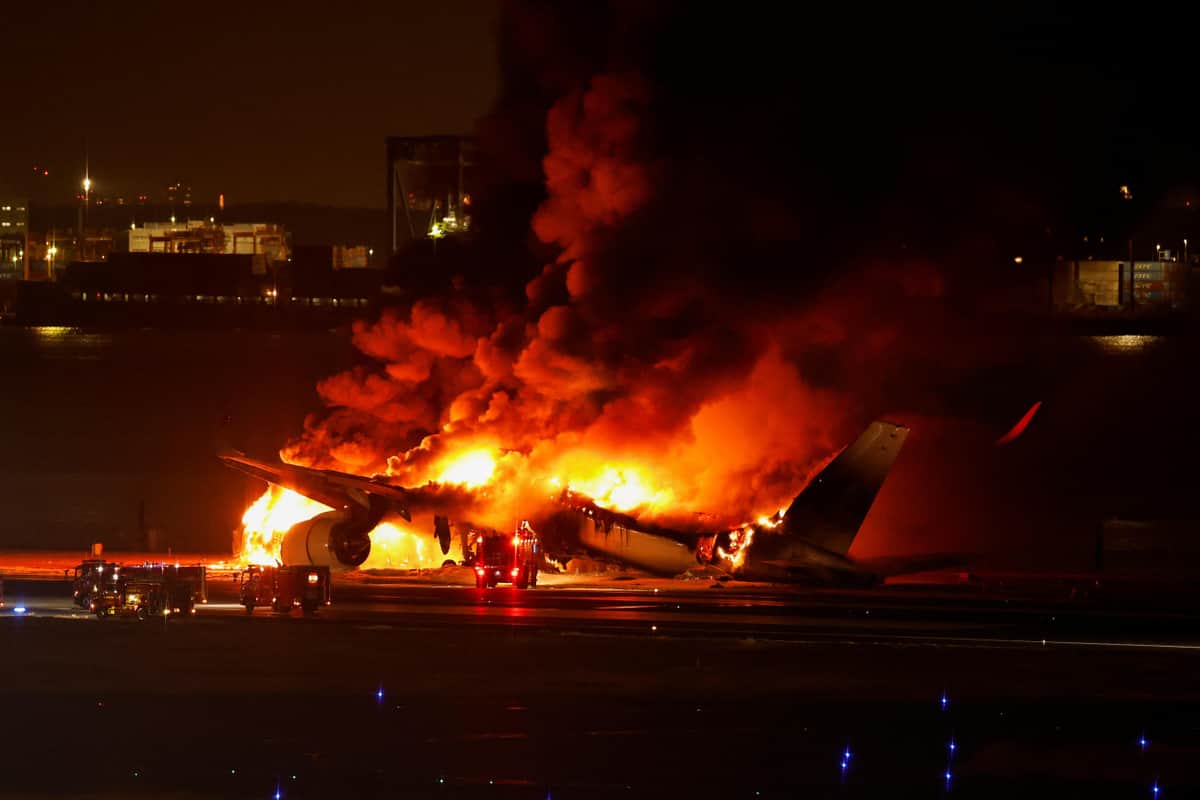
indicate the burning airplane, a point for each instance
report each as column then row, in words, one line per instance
column 654, row 365
column 808, row 541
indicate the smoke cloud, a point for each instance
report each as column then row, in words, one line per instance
column 707, row 319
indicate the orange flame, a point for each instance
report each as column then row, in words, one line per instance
column 268, row 519
column 277, row 510
column 393, row 547
column 471, row 469
column 621, row 489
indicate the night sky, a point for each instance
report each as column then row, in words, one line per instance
column 264, row 101
column 277, row 101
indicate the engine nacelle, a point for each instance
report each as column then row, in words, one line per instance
column 332, row 539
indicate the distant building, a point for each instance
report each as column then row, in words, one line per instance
column 429, row 185
column 1112, row 284
column 14, row 229
column 265, row 243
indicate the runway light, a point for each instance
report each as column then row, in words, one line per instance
column 952, row 746
column 18, row 609
column 379, row 694
column 1154, row 788
column 1143, row 742
column 945, row 701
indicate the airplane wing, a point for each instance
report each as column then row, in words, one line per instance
column 334, row 489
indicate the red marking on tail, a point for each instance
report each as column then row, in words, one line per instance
column 1021, row 425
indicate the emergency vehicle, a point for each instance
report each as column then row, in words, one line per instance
column 507, row 559
column 284, row 588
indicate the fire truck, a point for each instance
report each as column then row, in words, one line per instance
column 507, row 559
column 89, row 578
column 144, row 595
column 185, row 586
column 284, row 588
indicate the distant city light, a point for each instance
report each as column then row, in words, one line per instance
column 1125, row 193
column 1018, row 260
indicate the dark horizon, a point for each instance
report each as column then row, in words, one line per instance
column 263, row 102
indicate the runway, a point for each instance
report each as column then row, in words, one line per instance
column 880, row 616
column 439, row 691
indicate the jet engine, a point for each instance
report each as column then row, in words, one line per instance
column 334, row 539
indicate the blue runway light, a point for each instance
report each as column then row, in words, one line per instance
column 1154, row 789
column 18, row 609
column 945, row 701
column 1143, row 742
column 379, row 694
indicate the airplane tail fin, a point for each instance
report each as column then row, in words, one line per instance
column 834, row 504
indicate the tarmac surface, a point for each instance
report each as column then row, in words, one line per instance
column 616, row 688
